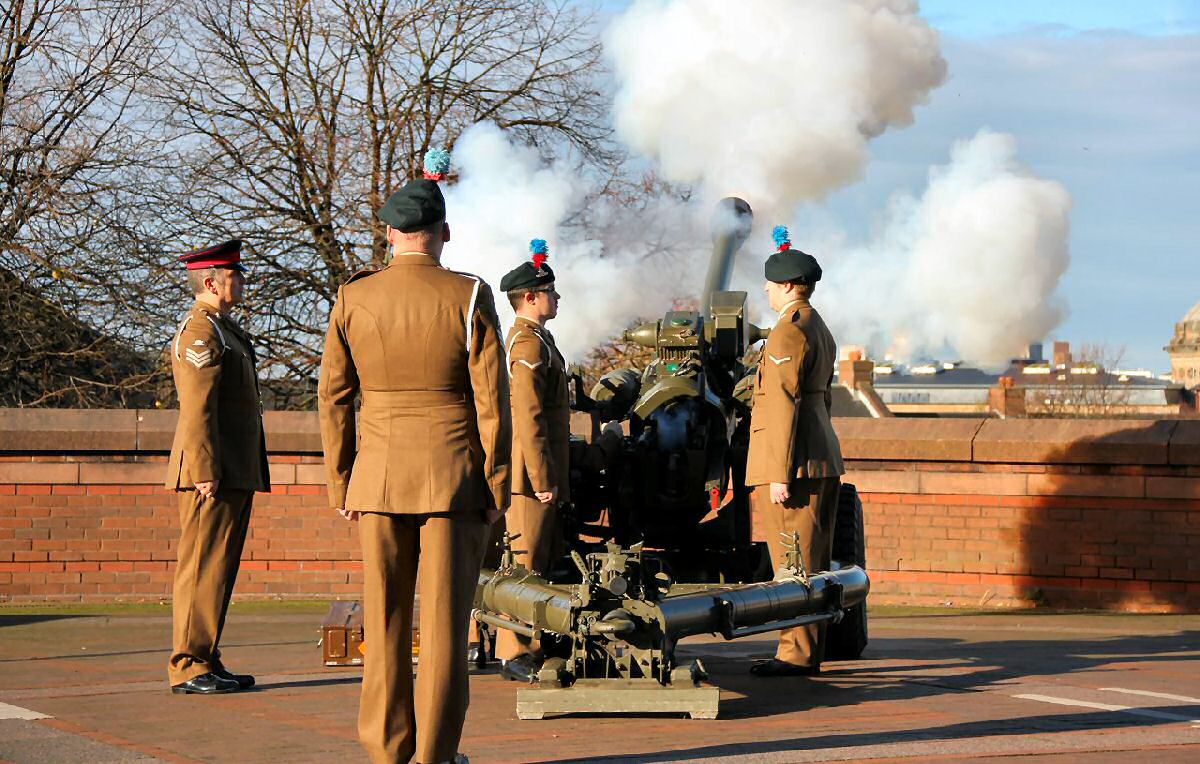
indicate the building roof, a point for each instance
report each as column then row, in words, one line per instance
column 1041, row 374
column 1193, row 314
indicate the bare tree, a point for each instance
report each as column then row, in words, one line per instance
column 1085, row 387
column 295, row 119
column 69, row 147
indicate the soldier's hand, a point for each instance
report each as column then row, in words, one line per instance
column 547, row 497
column 495, row 514
column 349, row 514
column 779, row 493
column 207, row 488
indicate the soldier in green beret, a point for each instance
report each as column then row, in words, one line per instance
column 541, row 420
column 421, row 345
column 795, row 462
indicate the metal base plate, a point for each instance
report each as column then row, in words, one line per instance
column 618, row 696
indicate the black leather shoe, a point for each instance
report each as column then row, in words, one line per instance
column 245, row 681
column 523, row 668
column 476, row 655
column 205, row 684
column 776, row 667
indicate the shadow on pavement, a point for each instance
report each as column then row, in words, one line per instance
column 355, row 679
column 975, row 666
column 1013, row 726
column 971, row 667
column 23, row 619
column 164, row 649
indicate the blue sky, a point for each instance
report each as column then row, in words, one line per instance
column 971, row 18
column 1104, row 97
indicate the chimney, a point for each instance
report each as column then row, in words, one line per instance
column 1006, row 400
column 854, row 372
column 1062, row 354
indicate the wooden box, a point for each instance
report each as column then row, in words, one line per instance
column 342, row 635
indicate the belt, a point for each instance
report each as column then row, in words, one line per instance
column 411, row 398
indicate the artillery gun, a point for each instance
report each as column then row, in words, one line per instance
column 658, row 539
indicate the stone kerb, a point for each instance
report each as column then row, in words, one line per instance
column 68, row 430
column 1074, row 441
column 904, row 439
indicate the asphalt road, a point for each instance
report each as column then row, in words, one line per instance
column 933, row 686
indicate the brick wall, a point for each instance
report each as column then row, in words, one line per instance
column 993, row 513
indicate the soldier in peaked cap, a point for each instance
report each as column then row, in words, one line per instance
column 420, row 344
column 218, row 461
column 541, row 436
column 795, row 462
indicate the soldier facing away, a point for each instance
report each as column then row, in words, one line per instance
column 541, row 419
column 420, row 344
column 218, row 461
column 795, row 461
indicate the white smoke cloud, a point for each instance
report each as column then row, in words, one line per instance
column 775, row 100
column 506, row 196
column 971, row 267
column 772, row 100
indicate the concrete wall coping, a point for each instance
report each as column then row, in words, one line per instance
column 1011, row 441
column 69, row 431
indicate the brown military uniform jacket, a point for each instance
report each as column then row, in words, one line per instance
column 540, row 410
column 220, row 431
column 421, row 344
column 791, row 435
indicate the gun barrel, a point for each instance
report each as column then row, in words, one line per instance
column 526, row 598
column 730, row 226
column 732, row 611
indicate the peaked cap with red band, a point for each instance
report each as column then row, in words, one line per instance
column 227, row 255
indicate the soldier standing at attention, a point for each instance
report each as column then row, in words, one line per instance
column 218, row 461
column 421, row 344
column 795, row 461
column 541, row 437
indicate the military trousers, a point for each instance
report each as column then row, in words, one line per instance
column 810, row 511
column 443, row 552
column 212, row 534
column 539, row 528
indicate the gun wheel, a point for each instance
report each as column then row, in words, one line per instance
column 846, row 640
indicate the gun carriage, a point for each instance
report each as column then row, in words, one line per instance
column 658, row 538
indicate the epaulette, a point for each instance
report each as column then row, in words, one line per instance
column 364, row 272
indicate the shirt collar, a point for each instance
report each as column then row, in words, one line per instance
column 413, row 258
column 797, row 303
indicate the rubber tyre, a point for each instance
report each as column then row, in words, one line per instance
column 845, row 641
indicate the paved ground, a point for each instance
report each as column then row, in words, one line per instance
column 934, row 685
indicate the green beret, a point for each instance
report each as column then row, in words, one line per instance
column 792, row 265
column 527, row 276
column 418, row 205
